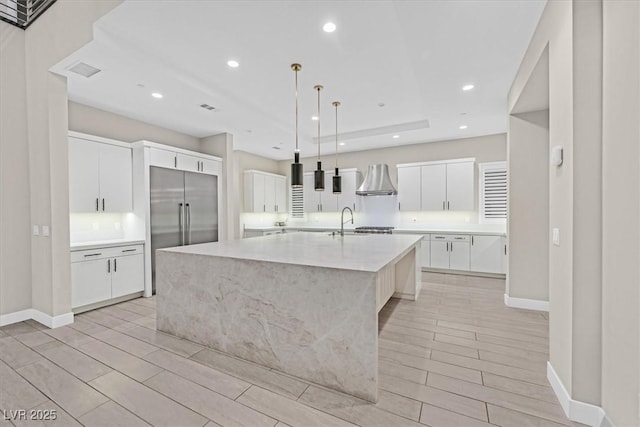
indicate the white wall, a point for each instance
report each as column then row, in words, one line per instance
column 93, row 121
column 528, row 217
column 15, row 205
column 594, row 105
column 621, row 213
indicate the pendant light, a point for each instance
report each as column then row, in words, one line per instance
column 296, row 166
column 318, row 174
column 337, row 179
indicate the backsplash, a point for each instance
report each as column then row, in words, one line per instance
column 89, row 227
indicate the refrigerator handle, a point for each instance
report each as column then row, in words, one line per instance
column 180, row 228
column 188, row 229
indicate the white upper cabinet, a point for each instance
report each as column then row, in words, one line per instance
column 187, row 162
column 180, row 159
column 281, row 194
column 409, row 189
column 436, row 186
column 325, row 200
column 115, row 179
column 460, row 186
column 351, row 180
column 100, row 176
column 264, row 192
column 486, row 254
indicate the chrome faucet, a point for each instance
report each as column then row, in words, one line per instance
column 342, row 221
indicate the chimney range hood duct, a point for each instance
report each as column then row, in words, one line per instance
column 377, row 182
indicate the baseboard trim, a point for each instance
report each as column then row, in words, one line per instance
column 528, row 304
column 576, row 410
column 15, row 317
column 40, row 317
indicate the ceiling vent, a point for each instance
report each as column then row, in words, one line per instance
column 83, row 69
column 208, row 107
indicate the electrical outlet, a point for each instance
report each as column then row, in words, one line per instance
column 414, row 219
column 36, row 230
column 116, row 226
column 556, row 236
column 95, row 226
column 45, row 230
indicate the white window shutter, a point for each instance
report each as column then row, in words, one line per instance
column 493, row 192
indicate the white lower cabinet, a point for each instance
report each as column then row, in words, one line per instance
column 450, row 252
column 104, row 273
column 426, row 251
column 487, row 253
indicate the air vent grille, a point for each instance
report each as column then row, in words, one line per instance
column 84, row 69
column 208, row 107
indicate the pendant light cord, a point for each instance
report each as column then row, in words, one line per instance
column 296, row 70
column 318, row 88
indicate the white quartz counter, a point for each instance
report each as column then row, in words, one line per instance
column 359, row 252
column 79, row 246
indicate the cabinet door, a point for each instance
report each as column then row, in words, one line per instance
column 349, row 186
column 116, row 185
column 188, row 163
column 439, row 254
column 281, row 194
column 459, row 256
column 460, row 186
column 486, row 254
column 259, row 202
column 505, row 257
column 90, row 281
column 426, row 252
column 84, row 188
column 162, row 158
column 211, row 167
column 434, row 187
column 328, row 200
column 409, row 189
column 269, row 193
column 311, row 196
column 127, row 275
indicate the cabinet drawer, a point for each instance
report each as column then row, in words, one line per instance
column 100, row 253
column 451, row 237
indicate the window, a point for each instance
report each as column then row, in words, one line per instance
column 297, row 203
column 493, row 192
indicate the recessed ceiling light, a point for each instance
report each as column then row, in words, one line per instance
column 329, row 27
column 233, row 63
column 467, row 87
column 314, row 118
column 157, row 95
column 463, row 127
column 396, row 136
column 342, row 143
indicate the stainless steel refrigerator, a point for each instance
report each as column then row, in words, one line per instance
column 184, row 210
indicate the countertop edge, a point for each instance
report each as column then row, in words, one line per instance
column 81, row 246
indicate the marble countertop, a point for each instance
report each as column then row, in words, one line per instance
column 360, row 252
column 79, row 246
column 407, row 229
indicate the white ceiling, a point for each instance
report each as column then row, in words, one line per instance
column 412, row 56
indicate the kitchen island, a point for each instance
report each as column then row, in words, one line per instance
column 305, row 304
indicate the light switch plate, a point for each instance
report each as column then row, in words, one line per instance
column 36, row 230
column 45, row 230
column 556, row 236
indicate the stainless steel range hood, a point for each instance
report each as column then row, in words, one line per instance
column 377, row 182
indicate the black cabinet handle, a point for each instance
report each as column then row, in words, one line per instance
column 97, row 204
column 472, row 240
column 88, row 255
column 129, row 250
column 102, row 205
column 448, row 208
column 115, row 265
column 108, row 266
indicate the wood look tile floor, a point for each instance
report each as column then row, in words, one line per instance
column 456, row 357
